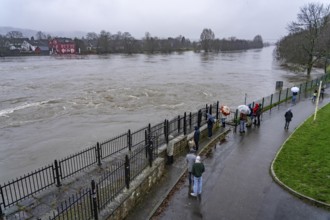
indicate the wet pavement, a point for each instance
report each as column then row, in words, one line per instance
column 237, row 183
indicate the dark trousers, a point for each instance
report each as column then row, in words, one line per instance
column 196, row 145
column 209, row 130
column 257, row 120
column 287, row 123
column 190, row 176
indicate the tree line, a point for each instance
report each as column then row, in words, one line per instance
column 124, row 42
column 308, row 42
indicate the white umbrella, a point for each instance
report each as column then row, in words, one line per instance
column 295, row 89
column 244, row 109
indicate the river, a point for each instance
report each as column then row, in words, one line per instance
column 51, row 107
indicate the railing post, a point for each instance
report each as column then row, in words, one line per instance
column 279, row 98
column 2, row 202
column 190, row 120
column 236, row 119
column 210, row 109
column 287, row 93
column 167, row 131
column 149, row 129
column 271, row 103
column 199, row 118
column 179, row 124
column 150, row 151
column 299, row 91
column 262, row 107
column 217, row 111
column 127, row 172
column 146, row 140
column 206, row 111
column 129, row 140
column 185, row 123
column 98, row 154
column 94, row 202
column 57, row 174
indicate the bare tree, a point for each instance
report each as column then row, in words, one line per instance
column 40, row 35
column 257, row 42
column 150, row 43
column 2, row 45
column 128, row 42
column 311, row 22
column 14, row 34
column 90, row 36
column 104, row 42
column 206, row 39
column 324, row 46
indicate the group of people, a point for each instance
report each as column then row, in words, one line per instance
column 314, row 97
column 321, row 94
column 246, row 120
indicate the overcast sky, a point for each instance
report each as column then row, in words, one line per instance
column 243, row 19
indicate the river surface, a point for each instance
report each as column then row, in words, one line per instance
column 51, row 107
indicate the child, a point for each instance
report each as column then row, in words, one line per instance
column 314, row 95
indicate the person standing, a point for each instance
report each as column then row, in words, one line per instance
column 196, row 137
column 223, row 120
column 190, row 158
column 249, row 118
column 170, row 150
column 197, row 171
column 257, row 113
column 294, row 97
column 314, row 95
column 322, row 93
column 210, row 122
column 288, row 116
column 242, row 120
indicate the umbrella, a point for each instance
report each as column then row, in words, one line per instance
column 225, row 110
column 295, row 89
column 244, row 109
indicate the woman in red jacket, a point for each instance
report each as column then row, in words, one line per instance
column 256, row 114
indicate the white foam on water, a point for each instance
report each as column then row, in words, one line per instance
column 6, row 112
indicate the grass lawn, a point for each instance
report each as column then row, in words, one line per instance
column 304, row 161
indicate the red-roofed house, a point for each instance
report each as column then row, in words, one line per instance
column 62, row 46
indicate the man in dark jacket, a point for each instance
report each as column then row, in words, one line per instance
column 196, row 137
column 210, row 122
column 197, row 171
column 288, row 116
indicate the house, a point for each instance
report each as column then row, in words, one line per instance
column 62, row 46
column 15, row 44
column 35, row 46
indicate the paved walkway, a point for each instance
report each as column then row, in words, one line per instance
column 237, row 183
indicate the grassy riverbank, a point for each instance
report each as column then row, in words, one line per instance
column 304, row 161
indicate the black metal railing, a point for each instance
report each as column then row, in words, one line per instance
column 27, row 185
column 78, row 206
column 114, row 145
column 78, row 162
